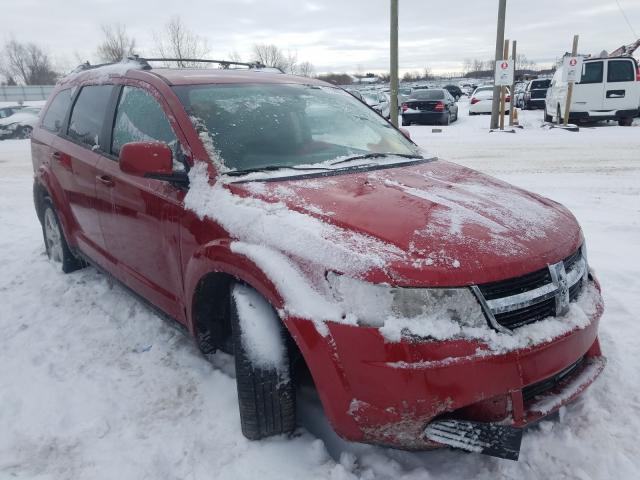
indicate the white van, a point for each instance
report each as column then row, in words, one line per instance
column 609, row 90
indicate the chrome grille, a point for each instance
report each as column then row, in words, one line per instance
column 512, row 303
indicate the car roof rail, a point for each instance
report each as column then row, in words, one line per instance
column 224, row 64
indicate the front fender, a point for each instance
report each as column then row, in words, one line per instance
column 217, row 257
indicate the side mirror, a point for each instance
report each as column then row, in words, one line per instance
column 146, row 159
column 406, row 133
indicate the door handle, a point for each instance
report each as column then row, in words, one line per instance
column 106, row 180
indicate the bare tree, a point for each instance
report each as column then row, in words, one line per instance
column 28, row 63
column 271, row 56
column 117, row 44
column 178, row 42
column 306, row 69
column 235, row 56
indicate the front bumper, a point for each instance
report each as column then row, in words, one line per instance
column 386, row 393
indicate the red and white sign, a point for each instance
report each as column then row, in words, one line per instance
column 572, row 69
column 504, row 72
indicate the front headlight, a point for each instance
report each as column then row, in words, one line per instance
column 377, row 305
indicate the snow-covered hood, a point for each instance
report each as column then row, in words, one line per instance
column 453, row 225
column 23, row 118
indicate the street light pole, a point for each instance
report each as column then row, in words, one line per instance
column 495, row 107
column 394, row 62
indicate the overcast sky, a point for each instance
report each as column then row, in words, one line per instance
column 334, row 35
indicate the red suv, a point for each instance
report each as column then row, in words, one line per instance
column 281, row 219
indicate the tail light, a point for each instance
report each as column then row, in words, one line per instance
column 638, row 75
column 507, row 98
column 439, row 107
column 405, row 107
column 474, row 100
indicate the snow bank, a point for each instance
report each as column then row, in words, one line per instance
column 261, row 329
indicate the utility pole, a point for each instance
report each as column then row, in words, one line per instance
column 567, row 108
column 394, row 62
column 495, row 107
column 513, row 84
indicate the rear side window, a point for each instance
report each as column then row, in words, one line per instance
column 621, row 71
column 592, row 72
column 88, row 114
column 57, row 111
column 140, row 118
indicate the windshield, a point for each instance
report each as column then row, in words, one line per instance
column 428, row 95
column 261, row 125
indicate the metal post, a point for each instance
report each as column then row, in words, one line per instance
column 502, row 9
column 513, row 84
column 394, row 63
column 503, row 89
column 567, row 108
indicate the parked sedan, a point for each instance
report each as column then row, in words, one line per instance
column 20, row 124
column 482, row 100
column 435, row 105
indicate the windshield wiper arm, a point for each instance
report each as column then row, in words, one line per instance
column 270, row 168
column 374, row 155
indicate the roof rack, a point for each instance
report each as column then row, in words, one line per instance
column 224, row 64
column 144, row 63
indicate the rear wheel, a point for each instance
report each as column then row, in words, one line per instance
column 625, row 122
column 266, row 392
column 55, row 243
column 447, row 121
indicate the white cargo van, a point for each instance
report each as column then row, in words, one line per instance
column 609, row 90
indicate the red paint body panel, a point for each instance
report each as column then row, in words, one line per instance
column 372, row 390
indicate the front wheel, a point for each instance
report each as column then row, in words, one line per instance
column 55, row 243
column 266, row 391
column 24, row 132
column 547, row 118
column 625, row 122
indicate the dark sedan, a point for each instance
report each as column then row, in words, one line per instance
column 433, row 106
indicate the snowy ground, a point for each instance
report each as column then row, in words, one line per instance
column 94, row 385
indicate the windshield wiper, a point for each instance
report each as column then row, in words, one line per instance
column 374, row 155
column 270, row 168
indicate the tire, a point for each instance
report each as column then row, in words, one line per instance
column 23, row 132
column 266, row 396
column 625, row 122
column 55, row 242
column 405, row 123
column 558, row 116
column 547, row 118
column 447, row 121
